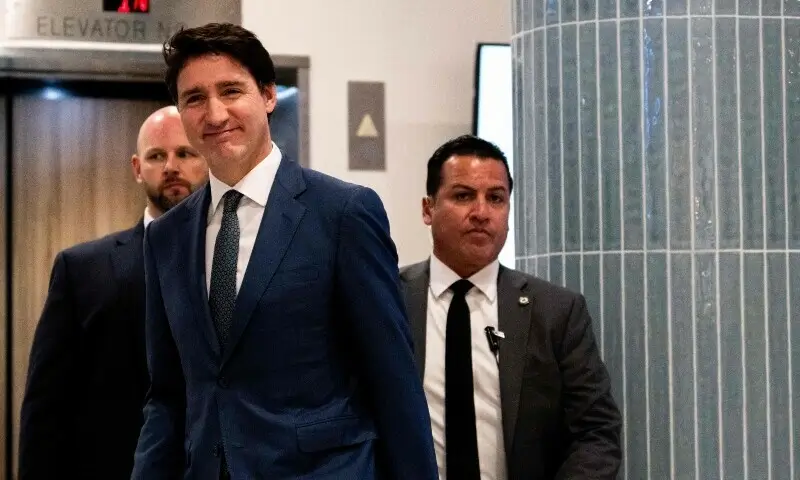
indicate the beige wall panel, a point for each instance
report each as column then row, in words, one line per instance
column 3, row 280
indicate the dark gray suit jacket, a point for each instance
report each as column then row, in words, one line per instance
column 559, row 418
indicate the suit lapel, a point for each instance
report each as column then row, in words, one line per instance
column 126, row 258
column 281, row 218
column 127, row 264
column 197, row 217
column 514, row 310
column 514, row 313
column 417, row 309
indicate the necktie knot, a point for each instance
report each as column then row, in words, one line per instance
column 231, row 199
column 461, row 287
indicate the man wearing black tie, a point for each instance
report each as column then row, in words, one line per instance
column 515, row 384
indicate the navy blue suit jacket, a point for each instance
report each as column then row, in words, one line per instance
column 318, row 378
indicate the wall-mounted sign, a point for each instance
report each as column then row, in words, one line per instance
column 112, row 21
column 366, row 125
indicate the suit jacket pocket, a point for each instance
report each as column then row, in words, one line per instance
column 289, row 286
column 295, row 276
column 333, row 433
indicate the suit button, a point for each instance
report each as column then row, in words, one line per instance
column 215, row 451
column 223, row 382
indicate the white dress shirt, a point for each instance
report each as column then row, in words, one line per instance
column 482, row 302
column 255, row 188
column 147, row 217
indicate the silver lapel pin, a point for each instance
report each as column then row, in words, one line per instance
column 524, row 300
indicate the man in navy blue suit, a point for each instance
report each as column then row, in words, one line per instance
column 277, row 339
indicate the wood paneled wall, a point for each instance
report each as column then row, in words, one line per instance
column 72, row 182
column 3, row 280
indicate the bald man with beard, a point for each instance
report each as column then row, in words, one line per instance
column 87, row 377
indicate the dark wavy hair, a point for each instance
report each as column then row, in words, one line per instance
column 239, row 43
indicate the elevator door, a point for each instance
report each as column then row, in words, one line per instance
column 71, row 182
column 3, row 285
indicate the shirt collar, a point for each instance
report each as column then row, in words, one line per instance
column 252, row 185
column 485, row 279
column 147, row 217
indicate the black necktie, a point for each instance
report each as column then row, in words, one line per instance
column 222, row 294
column 461, row 439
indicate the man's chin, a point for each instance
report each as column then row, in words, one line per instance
column 223, row 155
column 480, row 254
column 166, row 203
column 479, row 243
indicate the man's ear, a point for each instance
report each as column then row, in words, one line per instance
column 427, row 209
column 270, row 95
column 136, row 166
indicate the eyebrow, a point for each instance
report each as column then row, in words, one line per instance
column 227, row 83
column 230, row 83
column 179, row 148
column 186, row 148
column 153, row 150
column 189, row 92
column 472, row 189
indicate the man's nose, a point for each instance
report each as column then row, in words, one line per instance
column 217, row 112
column 480, row 210
column 172, row 163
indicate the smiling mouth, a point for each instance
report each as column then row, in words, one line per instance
column 218, row 134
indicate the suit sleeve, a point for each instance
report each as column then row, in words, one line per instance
column 369, row 288
column 46, row 449
column 160, row 452
column 592, row 417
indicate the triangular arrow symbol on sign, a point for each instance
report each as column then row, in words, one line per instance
column 367, row 127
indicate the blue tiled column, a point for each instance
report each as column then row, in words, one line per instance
column 657, row 160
